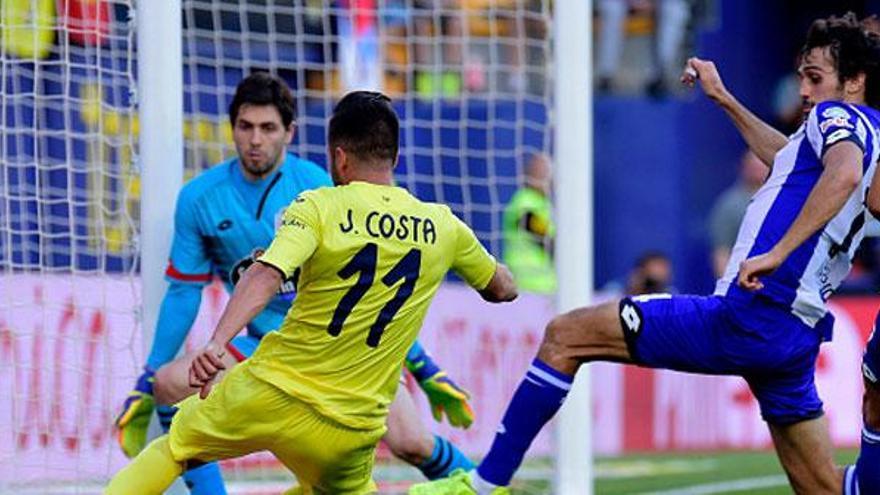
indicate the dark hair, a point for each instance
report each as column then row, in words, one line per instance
column 651, row 255
column 853, row 50
column 365, row 125
column 262, row 88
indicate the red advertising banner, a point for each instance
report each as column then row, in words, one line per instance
column 70, row 349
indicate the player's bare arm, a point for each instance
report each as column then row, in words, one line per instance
column 255, row 289
column 761, row 137
column 872, row 200
column 842, row 174
column 501, row 287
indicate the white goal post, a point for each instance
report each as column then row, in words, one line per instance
column 107, row 106
column 573, row 103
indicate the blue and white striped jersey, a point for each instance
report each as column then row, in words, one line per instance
column 814, row 270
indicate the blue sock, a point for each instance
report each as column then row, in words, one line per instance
column 867, row 471
column 535, row 401
column 165, row 414
column 203, row 480
column 850, row 480
column 871, row 358
column 445, row 459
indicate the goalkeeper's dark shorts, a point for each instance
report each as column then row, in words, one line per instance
column 764, row 343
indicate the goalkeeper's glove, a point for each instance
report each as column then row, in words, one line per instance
column 134, row 419
column 445, row 395
column 442, row 392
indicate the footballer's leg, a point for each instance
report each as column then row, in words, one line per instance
column 171, row 385
column 410, row 440
column 570, row 339
column 151, row 472
column 866, row 472
column 783, row 384
column 326, row 457
column 237, row 418
column 581, row 335
column 655, row 330
column 805, row 451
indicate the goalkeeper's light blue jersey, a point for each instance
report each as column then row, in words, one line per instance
column 221, row 223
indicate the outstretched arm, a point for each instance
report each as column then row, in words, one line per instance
column 841, row 176
column 763, row 139
column 178, row 311
column 255, row 289
column 189, row 269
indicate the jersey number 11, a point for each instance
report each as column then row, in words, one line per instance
column 364, row 263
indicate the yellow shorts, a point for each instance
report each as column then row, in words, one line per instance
column 244, row 414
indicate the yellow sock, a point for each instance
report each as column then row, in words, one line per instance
column 296, row 490
column 151, row 472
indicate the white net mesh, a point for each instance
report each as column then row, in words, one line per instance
column 68, row 293
column 470, row 81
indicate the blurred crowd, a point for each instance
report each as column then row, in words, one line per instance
column 640, row 44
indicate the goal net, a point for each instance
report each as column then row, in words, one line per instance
column 69, row 331
column 470, row 80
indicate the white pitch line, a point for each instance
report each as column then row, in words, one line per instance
column 726, row 486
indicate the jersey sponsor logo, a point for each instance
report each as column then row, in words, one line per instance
column 294, row 222
column 631, row 317
column 385, row 225
column 835, row 112
column 837, row 135
column 279, row 218
column 835, row 122
column 826, row 288
column 287, row 289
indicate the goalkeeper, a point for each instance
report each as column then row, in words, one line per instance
column 223, row 220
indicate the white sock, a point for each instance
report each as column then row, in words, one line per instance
column 482, row 486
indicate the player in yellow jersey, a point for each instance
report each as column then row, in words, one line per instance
column 316, row 392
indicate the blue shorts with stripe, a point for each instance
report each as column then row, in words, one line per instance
column 762, row 342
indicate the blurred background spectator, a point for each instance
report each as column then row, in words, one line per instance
column 485, row 59
column 445, row 47
column 528, row 230
column 650, row 274
column 666, row 22
column 729, row 209
column 788, row 110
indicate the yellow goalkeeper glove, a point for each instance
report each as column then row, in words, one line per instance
column 134, row 419
column 446, row 396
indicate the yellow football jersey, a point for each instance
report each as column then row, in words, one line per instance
column 371, row 258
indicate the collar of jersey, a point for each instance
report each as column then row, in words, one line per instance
column 238, row 175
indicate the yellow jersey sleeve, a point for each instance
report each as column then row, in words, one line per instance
column 297, row 238
column 472, row 262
